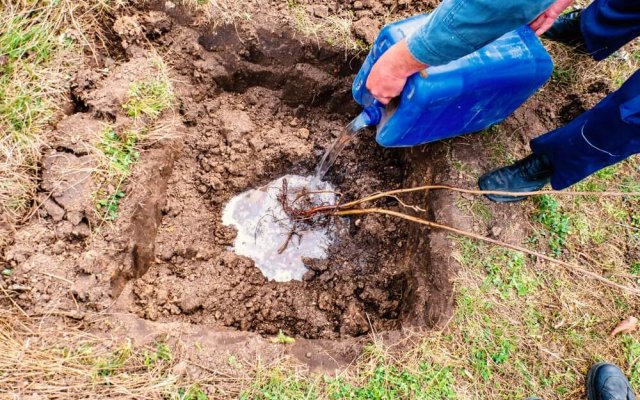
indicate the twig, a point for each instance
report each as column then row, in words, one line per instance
column 569, row 266
column 481, row 192
column 57, row 277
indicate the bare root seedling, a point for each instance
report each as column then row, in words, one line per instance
column 356, row 208
column 301, row 210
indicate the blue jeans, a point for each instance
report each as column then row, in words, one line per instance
column 609, row 132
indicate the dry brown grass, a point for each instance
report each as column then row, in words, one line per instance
column 220, row 12
column 40, row 44
column 45, row 357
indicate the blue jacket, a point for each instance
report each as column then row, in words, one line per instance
column 460, row 27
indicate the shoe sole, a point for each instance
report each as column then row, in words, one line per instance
column 496, row 197
column 504, row 199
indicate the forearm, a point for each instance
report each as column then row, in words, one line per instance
column 460, row 27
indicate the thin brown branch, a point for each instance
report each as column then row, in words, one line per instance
column 391, row 193
column 569, row 266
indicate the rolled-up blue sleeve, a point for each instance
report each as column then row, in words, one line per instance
column 460, row 27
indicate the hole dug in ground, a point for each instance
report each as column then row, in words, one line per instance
column 254, row 103
column 257, row 106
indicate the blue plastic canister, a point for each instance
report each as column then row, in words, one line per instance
column 463, row 96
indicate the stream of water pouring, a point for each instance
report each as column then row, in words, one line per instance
column 351, row 131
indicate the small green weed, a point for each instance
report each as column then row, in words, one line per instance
column 635, row 268
column 108, row 207
column 119, row 151
column 108, row 366
column 556, row 222
column 191, row 393
column 162, row 353
column 564, row 75
column 505, row 271
column 489, row 350
column 282, row 338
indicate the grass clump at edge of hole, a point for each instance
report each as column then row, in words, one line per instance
column 376, row 375
column 149, row 98
column 119, row 150
column 38, row 51
column 335, row 30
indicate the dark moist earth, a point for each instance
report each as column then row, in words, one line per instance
column 255, row 111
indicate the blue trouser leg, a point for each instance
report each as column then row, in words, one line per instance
column 608, row 25
column 602, row 136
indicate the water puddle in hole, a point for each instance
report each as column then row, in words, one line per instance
column 263, row 227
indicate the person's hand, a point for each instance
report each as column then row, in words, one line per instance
column 389, row 74
column 544, row 21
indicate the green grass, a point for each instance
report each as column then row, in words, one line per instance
column 334, row 30
column 119, row 150
column 279, row 383
column 282, row 338
column 632, row 345
column 162, row 353
column 119, row 154
column 389, row 382
column 379, row 376
column 564, row 75
column 556, row 222
column 149, row 98
column 30, row 83
column 190, row 393
column 476, row 208
column 505, row 269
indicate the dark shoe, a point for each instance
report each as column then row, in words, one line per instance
column 607, row 382
column 567, row 30
column 527, row 175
